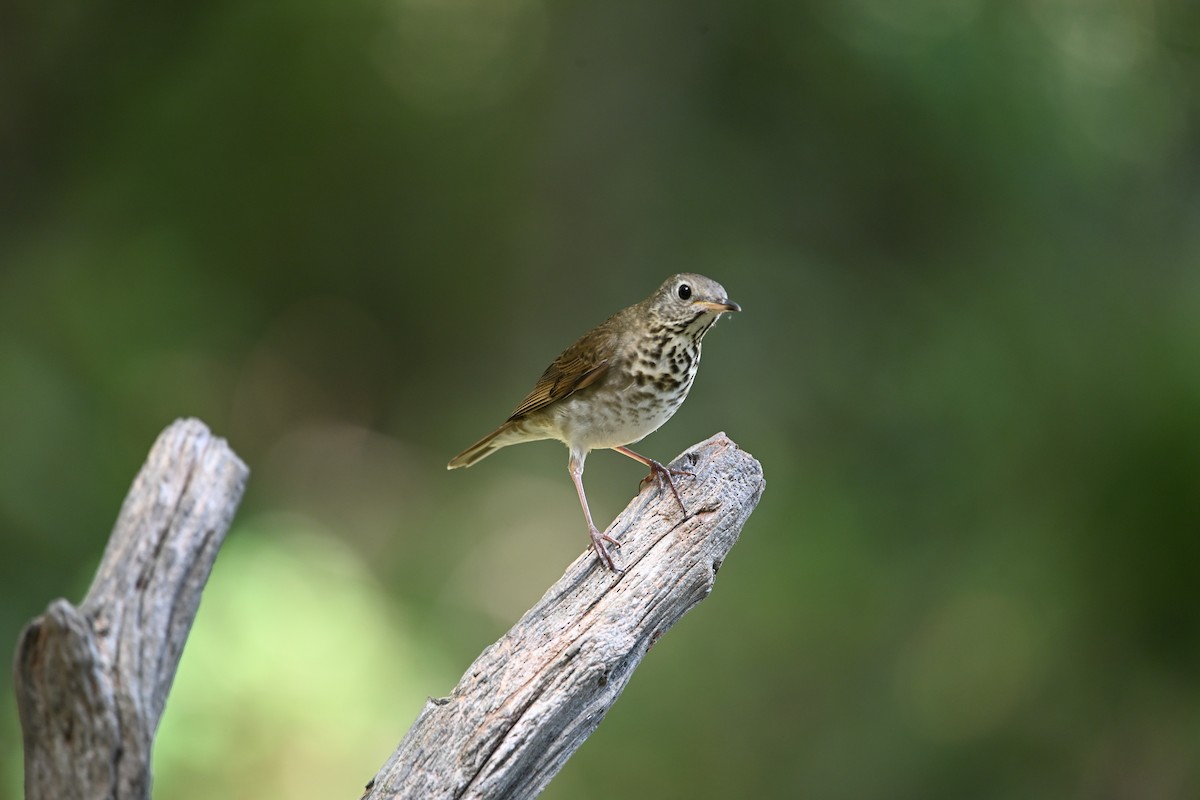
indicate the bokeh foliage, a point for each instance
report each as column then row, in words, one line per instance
column 348, row 235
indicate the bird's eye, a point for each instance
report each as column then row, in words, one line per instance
column 685, row 291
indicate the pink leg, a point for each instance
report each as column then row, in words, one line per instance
column 659, row 471
column 575, row 467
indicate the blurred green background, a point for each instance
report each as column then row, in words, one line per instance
column 349, row 235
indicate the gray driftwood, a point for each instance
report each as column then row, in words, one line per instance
column 91, row 681
column 531, row 698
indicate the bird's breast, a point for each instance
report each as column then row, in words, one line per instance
column 640, row 393
column 594, row 420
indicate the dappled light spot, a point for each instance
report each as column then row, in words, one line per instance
column 885, row 26
column 299, row 674
column 1101, row 40
column 455, row 56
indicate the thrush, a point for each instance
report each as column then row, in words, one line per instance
column 617, row 384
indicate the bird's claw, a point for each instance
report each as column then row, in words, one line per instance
column 598, row 544
column 664, row 473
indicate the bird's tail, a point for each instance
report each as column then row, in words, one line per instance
column 503, row 436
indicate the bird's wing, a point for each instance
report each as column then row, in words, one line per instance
column 577, row 368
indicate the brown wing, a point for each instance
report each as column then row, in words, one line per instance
column 577, row 368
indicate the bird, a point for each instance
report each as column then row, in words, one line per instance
column 617, row 384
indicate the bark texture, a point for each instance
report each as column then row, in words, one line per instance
column 91, row 681
column 532, row 698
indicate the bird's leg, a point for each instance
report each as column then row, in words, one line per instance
column 659, row 471
column 575, row 467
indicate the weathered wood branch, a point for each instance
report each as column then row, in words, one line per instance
column 532, row 698
column 91, row 681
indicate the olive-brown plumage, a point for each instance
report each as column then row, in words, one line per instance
column 617, row 384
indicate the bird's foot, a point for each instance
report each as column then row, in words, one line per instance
column 599, row 544
column 663, row 474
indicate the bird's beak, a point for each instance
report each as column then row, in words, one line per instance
column 728, row 305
